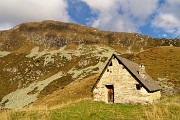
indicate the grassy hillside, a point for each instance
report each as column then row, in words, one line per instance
column 75, row 91
column 38, row 58
column 39, row 73
column 163, row 64
column 156, row 65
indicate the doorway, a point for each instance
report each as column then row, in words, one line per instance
column 110, row 90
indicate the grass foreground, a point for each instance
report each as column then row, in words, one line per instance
column 168, row 108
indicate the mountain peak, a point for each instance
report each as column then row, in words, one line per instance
column 50, row 33
column 46, row 25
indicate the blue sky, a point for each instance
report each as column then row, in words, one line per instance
column 157, row 18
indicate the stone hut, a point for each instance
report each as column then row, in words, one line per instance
column 123, row 81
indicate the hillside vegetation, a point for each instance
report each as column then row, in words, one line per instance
column 41, row 60
column 39, row 73
column 160, row 64
column 163, row 64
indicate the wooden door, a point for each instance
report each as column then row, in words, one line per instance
column 110, row 93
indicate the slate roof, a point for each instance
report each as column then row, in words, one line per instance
column 133, row 68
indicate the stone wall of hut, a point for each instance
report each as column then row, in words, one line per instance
column 125, row 87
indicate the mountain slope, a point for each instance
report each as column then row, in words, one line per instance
column 158, row 65
column 43, row 72
column 39, row 58
column 163, row 64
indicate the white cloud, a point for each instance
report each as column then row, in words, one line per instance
column 114, row 22
column 166, row 21
column 101, row 5
column 140, row 9
column 121, row 15
column 13, row 12
column 168, row 17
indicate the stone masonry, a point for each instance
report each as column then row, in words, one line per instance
column 125, row 86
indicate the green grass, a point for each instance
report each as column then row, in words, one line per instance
column 167, row 109
column 84, row 110
column 88, row 110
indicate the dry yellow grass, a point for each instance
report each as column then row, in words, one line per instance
column 162, row 63
column 156, row 113
column 71, row 47
column 78, row 90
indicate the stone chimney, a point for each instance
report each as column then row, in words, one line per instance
column 142, row 70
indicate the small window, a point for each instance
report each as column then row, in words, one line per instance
column 107, row 70
column 138, row 86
